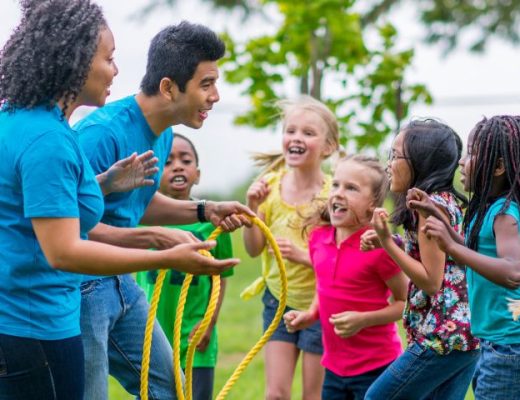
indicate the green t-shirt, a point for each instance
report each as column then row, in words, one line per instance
column 197, row 300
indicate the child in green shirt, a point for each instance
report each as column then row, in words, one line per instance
column 181, row 172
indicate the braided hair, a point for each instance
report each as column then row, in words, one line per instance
column 48, row 56
column 432, row 150
column 494, row 139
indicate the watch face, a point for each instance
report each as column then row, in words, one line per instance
column 201, row 211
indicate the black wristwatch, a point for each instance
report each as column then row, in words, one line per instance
column 201, row 210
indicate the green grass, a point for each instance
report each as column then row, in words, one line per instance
column 240, row 326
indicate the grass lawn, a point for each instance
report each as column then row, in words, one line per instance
column 240, row 326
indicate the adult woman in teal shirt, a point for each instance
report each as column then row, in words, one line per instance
column 59, row 58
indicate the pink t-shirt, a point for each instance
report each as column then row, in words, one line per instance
column 351, row 280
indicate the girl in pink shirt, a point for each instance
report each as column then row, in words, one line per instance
column 353, row 287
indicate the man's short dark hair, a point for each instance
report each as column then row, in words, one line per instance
column 175, row 53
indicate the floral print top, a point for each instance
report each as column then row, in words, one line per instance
column 440, row 322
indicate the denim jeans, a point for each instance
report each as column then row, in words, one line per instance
column 497, row 376
column 337, row 387
column 32, row 369
column 113, row 319
column 421, row 373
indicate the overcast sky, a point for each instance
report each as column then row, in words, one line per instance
column 465, row 87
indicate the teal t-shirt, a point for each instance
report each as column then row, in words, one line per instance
column 111, row 133
column 43, row 174
column 490, row 317
column 196, row 301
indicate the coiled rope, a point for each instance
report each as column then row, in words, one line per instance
column 194, row 341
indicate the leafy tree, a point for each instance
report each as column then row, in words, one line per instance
column 321, row 47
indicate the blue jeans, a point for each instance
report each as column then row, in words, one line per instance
column 497, row 376
column 421, row 373
column 33, row 369
column 337, row 387
column 113, row 319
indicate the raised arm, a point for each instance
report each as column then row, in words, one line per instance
column 503, row 270
column 254, row 239
column 427, row 275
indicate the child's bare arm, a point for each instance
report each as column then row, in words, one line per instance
column 503, row 270
column 427, row 275
column 349, row 323
column 297, row 320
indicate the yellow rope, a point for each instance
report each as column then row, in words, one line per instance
column 215, row 291
column 148, row 332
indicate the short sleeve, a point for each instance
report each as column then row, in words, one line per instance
column 386, row 267
column 50, row 170
column 100, row 147
column 447, row 205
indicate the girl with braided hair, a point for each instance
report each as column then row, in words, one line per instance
column 59, row 57
column 491, row 249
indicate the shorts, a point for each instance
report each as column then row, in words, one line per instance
column 308, row 340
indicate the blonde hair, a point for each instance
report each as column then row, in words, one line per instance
column 380, row 185
column 274, row 160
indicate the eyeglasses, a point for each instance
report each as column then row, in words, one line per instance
column 393, row 156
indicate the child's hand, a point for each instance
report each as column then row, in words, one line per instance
column 436, row 229
column 204, row 341
column 256, row 194
column 369, row 240
column 290, row 252
column 380, row 224
column 297, row 320
column 348, row 323
column 419, row 201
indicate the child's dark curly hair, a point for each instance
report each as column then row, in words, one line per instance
column 48, row 56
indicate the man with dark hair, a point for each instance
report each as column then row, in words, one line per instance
column 179, row 87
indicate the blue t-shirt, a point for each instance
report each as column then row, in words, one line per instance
column 490, row 317
column 43, row 174
column 111, row 133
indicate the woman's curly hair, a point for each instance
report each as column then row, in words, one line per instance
column 48, row 56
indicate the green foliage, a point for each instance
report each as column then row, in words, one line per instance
column 321, row 45
column 445, row 20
